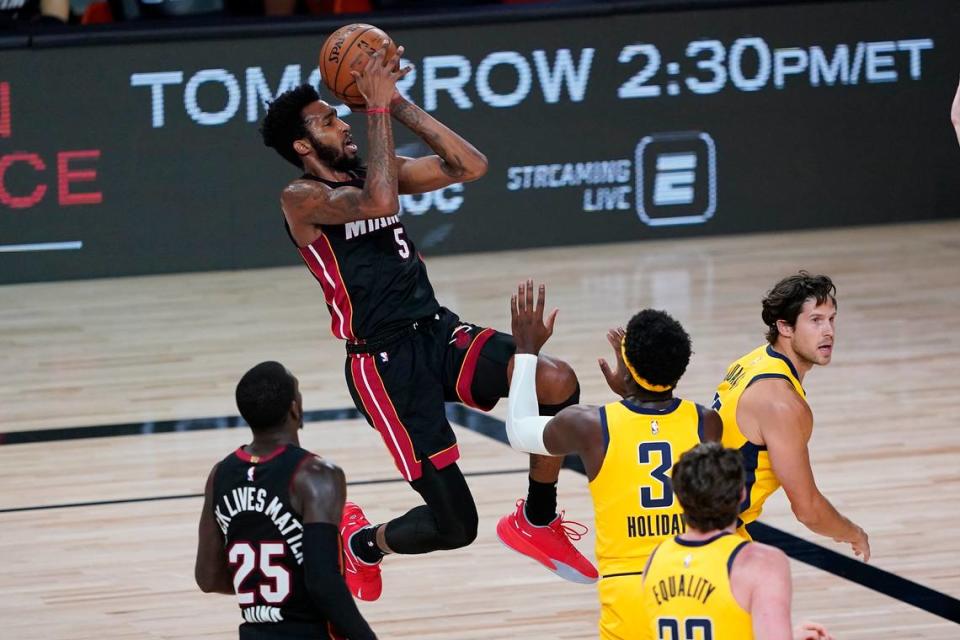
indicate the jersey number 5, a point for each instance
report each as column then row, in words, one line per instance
column 402, row 247
column 659, row 474
column 246, row 556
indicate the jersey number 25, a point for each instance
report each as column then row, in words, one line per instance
column 244, row 556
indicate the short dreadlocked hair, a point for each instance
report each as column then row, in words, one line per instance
column 657, row 347
column 284, row 122
column 788, row 296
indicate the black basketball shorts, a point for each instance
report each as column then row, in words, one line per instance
column 401, row 388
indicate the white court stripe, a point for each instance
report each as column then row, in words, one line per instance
column 41, row 246
column 333, row 298
column 393, row 436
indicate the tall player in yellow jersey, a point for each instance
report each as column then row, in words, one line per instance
column 627, row 447
column 765, row 413
column 709, row 582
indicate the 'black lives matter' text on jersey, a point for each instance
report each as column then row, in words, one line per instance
column 264, row 537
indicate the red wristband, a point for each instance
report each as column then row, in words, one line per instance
column 370, row 112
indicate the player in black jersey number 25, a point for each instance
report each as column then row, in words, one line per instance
column 407, row 355
column 269, row 529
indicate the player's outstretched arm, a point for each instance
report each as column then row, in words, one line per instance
column 786, row 423
column 321, row 489
column 211, row 571
column 955, row 113
column 575, row 429
column 456, row 160
column 761, row 583
column 525, row 425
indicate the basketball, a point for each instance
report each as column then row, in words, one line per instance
column 347, row 49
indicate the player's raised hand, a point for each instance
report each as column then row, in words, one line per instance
column 394, row 62
column 616, row 378
column 811, row 631
column 530, row 331
column 378, row 80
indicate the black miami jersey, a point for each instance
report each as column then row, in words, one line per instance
column 264, row 539
column 372, row 276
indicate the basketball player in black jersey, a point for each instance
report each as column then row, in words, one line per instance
column 406, row 355
column 269, row 529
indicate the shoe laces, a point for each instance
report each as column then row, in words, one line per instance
column 572, row 529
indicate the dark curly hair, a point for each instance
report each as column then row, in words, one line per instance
column 284, row 123
column 707, row 480
column 264, row 394
column 788, row 296
column 657, row 347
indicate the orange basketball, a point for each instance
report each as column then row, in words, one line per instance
column 347, row 49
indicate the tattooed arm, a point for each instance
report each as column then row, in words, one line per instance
column 311, row 202
column 456, row 160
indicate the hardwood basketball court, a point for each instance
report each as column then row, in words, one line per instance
column 99, row 534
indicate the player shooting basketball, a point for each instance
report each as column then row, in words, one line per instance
column 406, row 355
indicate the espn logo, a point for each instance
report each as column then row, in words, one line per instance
column 676, row 178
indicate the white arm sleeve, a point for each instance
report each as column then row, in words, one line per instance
column 524, row 424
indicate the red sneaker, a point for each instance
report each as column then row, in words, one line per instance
column 549, row 545
column 363, row 579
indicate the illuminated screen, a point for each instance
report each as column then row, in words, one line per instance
column 145, row 158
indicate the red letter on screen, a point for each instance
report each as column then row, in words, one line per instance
column 65, row 176
column 4, row 109
column 21, row 202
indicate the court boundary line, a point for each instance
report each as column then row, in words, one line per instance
column 810, row 553
column 183, row 496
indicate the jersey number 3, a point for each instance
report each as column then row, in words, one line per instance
column 245, row 555
column 647, row 451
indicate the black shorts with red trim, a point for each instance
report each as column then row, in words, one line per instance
column 400, row 383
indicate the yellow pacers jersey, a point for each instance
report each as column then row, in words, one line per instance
column 687, row 594
column 763, row 362
column 634, row 504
